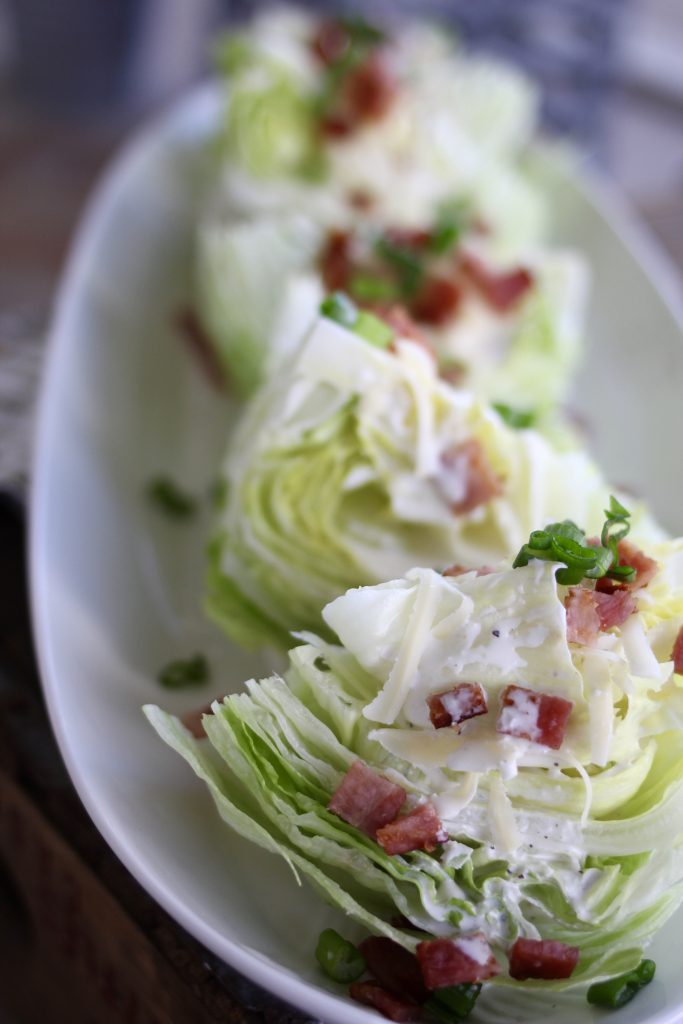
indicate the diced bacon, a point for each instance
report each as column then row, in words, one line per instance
column 614, row 609
column 502, row 291
column 583, row 619
column 192, row 720
column 360, row 199
column 589, row 611
column 368, row 91
column 646, row 567
column 200, row 345
column 677, row 652
column 335, row 126
column 468, row 479
column 394, row 967
column 369, row 994
column 330, row 41
column 451, row 707
column 335, row 261
column 537, row 717
column 420, row 829
column 366, row 800
column 464, row 960
column 542, row 958
column 436, row 302
column 455, row 570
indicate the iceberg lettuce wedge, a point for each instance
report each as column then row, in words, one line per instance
column 541, row 842
column 345, row 471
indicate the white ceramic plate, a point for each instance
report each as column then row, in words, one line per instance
column 116, row 589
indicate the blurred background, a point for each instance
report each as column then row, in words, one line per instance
column 76, row 76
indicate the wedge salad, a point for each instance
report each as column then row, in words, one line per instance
column 359, row 463
column 476, row 750
column 391, row 167
column 485, row 769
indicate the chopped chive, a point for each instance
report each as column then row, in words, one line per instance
column 374, row 330
column 340, row 308
column 339, row 958
column 404, row 261
column 616, row 992
column 171, row 499
column 453, row 1003
column 368, row 288
column 518, row 419
column 444, row 236
column 193, row 671
column 565, row 542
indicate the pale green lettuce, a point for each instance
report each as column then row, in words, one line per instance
column 335, row 478
column 541, row 842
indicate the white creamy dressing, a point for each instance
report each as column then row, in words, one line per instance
column 519, row 715
column 475, row 947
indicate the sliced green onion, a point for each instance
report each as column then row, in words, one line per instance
column 565, row 542
column 404, row 261
column 339, row 958
column 368, row 288
column 518, row 419
column 616, row 992
column 341, row 309
column 171, row 499
column 453, row 1003
column 374, row 330
column 193, row 671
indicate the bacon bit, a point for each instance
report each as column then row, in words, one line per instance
column 542, row 958
column 583, row 619
column 335, row 260
column 368, row 91
column 614, row 609
column 335, row 126
column 455, row 570
column 369, row 994
column 192, row 720
column 464, row 960
column 330, row 41
column 537, row 717
column 200, row 345
column 470, row 474
column 420, row 829
column 360, row 199
column 677, row 653
column 366, row 800
column 437, row 301
column 646, row 567
column 501, row 291
column 394, row 967
column 451, row 707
